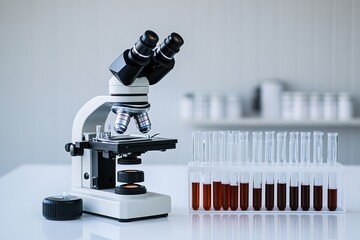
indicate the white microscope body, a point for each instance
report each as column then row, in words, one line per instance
column 95, row 159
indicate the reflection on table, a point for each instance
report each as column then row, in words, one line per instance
column 266, row 226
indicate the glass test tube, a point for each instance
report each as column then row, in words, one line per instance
column 244, row 176
column 305, row 160
column 195, row 176
column 294, row 176
column 233, row 160
column 225, row 180
column 318, row 160
column 332, row 160
column 257, row 177
column 206, row 161
column 269, row 160
column 281, row 160
column 217, row 193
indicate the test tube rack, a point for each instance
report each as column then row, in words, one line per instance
column 198, row 171
column 223, row 178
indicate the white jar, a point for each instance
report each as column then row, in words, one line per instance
column 286, row 105
column 345, row 106
column 270, row 92
column 217, row 108
column 300, row 106
column 233, row 106
column 201, row 106
column 187, row 106
column 330, row 106
column 315, row 106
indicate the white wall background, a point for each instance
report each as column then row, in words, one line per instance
column 54, row 56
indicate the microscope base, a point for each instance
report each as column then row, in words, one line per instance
column 125, row 208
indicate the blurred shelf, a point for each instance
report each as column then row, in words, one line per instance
column 258, row 122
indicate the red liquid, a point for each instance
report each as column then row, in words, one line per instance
column 256, row 198
column 318, row 198
column 281, row 196
column 269, row 196
column 305, row 197
column 207, row 196
column 332, row 199
column 225, row 196
column 244, row 196
column 234, row 197
column 217, row 195
column 294, row 198
column 195, row 195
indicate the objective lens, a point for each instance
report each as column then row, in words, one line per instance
column 143, row 123
column 171, row 45
column 121, row 122
column 146, row 44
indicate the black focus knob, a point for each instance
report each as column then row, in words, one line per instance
column 130, row 176
column 62, row 207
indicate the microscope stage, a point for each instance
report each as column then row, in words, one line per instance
column 129, row 144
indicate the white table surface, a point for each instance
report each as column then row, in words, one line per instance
column 24, row 188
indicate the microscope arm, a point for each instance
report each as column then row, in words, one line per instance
column 93, row 113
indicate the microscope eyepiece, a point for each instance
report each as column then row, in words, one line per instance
column 146, row 44
column 171, row 45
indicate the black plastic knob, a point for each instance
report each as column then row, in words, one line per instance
column 74, row 151
column 62, row 208
column 130, row 189
column 130, row 176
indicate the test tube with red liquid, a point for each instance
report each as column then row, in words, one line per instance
column 225, row 179
column 244, row 176
column 217, row 188
column 206, row 161
column 269, row 160
column 318, row 161
column 257, row 176
column 294, row 176
column 281, row 160
column 305, row 142
column 233, row 161
column 195, row 176
column 332, row 146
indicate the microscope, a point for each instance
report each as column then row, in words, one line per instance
column 97, row 156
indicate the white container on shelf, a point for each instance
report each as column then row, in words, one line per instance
column 315, row 106
column 216, row 107
column 345, row 106
column 233, row 106
column 187, row 106
column 286, row 105
column 300, row 106
column 330, row 106
column 201, row 106
column 270, row 99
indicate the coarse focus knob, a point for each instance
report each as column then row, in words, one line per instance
column 65, row 207
column 130, row 176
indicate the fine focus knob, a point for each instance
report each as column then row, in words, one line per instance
column 130, row 176
column 65, row 207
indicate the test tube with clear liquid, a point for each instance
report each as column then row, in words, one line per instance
column 257, row 176
column 281, row 160
column 216, row 156
column 195, row 176
column 269, row 160
column 305, row 142
column 318, row 177
column 233, row 160
column 332, row 146
column 225, row 179
column 206, row 161
column 294, row 176
column 244, row 176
